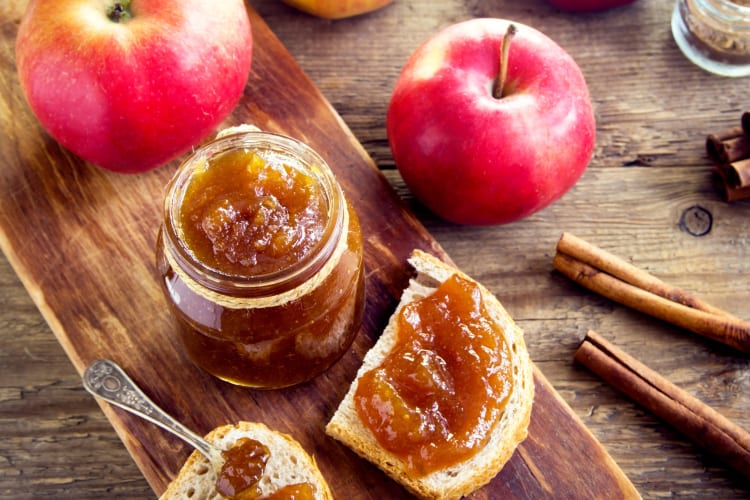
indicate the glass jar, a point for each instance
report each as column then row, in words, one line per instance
column 714, row 34
column 250, row 312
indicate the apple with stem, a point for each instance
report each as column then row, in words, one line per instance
column 489, row 122
column 337, row 9
column 129, row 85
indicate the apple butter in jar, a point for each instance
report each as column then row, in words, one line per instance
column 260, row 256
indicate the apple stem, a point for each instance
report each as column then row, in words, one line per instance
column 120, row 11
column 499, row 88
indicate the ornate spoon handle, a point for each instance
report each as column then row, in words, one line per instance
column 108, row 381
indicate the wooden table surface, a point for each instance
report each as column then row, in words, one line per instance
column 637, row 199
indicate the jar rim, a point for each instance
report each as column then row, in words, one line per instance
column 722, row 15
column 299, row 155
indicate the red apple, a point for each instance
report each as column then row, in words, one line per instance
column 129, row 85
column 588, row 5
column 337, row 9
column 475, row 158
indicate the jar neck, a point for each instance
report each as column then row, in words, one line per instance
column 251, row 285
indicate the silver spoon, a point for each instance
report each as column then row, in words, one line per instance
column 108, row 381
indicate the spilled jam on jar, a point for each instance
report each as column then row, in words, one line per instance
column 244, row 216
column 436, row 397
column 244, row 466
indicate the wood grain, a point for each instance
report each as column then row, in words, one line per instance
column 89, row 267
column 653, row 112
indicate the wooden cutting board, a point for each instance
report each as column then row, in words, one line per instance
column 82, row 241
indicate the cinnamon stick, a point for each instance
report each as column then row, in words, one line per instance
column 738, row 173
column 745, row 121
column 730, row 151
column 611, row 264
column 698, row 421
column 611, row 277
column 727, row 191
column 728, row 145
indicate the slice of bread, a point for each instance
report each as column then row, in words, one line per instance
column 463, row 478
column 287, row 464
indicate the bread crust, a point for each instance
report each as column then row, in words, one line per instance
column 288, row 463
column 461, row 479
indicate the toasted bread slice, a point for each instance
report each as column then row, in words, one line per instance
column 463, row 478
column 288, row 464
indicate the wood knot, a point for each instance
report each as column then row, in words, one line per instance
column 696, row 220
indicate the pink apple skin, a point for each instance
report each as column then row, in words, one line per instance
column 132, row 95
column 588, row 5
column 475, row 159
